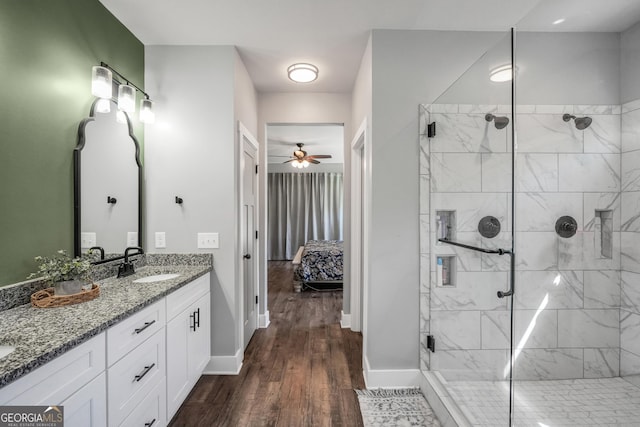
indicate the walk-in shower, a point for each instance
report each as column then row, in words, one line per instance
column 530, row 238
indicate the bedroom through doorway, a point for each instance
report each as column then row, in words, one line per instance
column 305, row 205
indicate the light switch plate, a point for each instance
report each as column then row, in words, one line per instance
column 87, row 240
column 208, row 241
column 132, row 238
column 161, row 240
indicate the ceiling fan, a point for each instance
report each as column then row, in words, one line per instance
column 300, row 158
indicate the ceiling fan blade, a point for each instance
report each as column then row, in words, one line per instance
column 319, row 156
column 315, row 162
column 290, row 160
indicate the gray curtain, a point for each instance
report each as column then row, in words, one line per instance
column 303, row 206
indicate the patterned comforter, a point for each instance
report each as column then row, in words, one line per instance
column 321, row 261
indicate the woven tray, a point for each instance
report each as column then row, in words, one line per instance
column 46, row 298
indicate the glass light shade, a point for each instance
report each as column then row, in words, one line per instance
column 146, row 111
column 127, row 98
column 294, row 164
column 103, row 106
column 501, row 74
column 121, row 117
column 302, row 73
column 305, row 164
column 101, row 82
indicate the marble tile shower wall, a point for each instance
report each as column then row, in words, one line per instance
column 567, row 318
column 630, row 241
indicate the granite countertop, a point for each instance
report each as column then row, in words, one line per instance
column 41, row 334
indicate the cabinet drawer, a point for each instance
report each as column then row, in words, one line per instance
column 181, row 299
column 53, row 382
column 133, row 377
column 132, row 331
column 150, row 412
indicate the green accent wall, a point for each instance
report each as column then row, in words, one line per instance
column 47, row 49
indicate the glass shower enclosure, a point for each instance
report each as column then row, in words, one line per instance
column 530, row 252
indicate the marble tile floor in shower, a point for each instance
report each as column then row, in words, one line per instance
column 582, row 402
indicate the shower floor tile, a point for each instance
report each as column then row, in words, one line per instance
column 583, row 402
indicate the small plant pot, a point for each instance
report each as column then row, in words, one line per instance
column 68, row 287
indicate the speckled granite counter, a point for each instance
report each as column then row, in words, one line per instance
column 41, row 334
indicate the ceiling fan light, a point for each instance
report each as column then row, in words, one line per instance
column 294, row 164
column 302, row 73
column 305, row 164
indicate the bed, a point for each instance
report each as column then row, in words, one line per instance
column 319, row 262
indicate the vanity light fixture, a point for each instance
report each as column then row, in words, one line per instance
column 101, row 87
column 501, row 74
column 302, row 72
column 101, row 82
column 126, row 98
column 146, row 111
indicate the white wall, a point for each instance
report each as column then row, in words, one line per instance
column 303, row 108
column 409, row 68
column 200, row 92
column 630, row 64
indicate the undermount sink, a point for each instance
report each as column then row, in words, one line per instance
column 6, row 350
column 156, row 278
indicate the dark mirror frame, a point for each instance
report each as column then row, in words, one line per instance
column 77, row 163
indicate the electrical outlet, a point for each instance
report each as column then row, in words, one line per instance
column 132, row 238
column 87, row 240
column 208, row 241
column 161, row 240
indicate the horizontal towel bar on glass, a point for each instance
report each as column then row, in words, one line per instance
column 475, row 248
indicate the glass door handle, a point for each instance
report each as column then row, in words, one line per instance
column 246, row 256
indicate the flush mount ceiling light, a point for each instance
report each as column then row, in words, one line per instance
column 558, row 21
column 501, row 74
column 302, row 73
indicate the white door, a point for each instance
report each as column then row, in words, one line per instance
column 248, row 237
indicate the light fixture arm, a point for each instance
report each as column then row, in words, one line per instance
column 113, row 70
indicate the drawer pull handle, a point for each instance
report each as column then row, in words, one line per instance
column 146, row 325
column 145, row 372
column 197, row 321
column 192, row 325
column 150, row 424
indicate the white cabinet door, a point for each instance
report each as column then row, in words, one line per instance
column 188, row 342
column 199, row 340
column 87, row 407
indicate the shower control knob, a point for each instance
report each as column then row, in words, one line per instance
column 566, row 226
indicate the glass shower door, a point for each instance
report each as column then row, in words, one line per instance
column 466, row 202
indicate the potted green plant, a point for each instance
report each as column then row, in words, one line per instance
column 67, row 275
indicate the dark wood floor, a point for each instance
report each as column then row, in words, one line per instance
column 300, row 371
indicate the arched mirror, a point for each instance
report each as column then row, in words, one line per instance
column 107, row 183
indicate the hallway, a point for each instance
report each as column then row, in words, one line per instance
column 300, row 371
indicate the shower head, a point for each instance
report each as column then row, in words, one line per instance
column 500, row 121
column 581, row 122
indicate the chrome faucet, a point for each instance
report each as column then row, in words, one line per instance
column 126, row 268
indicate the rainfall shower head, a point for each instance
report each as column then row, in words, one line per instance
column 500, row 121
column 581, row 122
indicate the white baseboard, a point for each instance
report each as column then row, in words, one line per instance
column 345, row 320
column 391, row 378
column 225, row 365
column 263, row 320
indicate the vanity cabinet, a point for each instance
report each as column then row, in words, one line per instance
column 76, row 380
column 136, row 373
column 188, row 340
